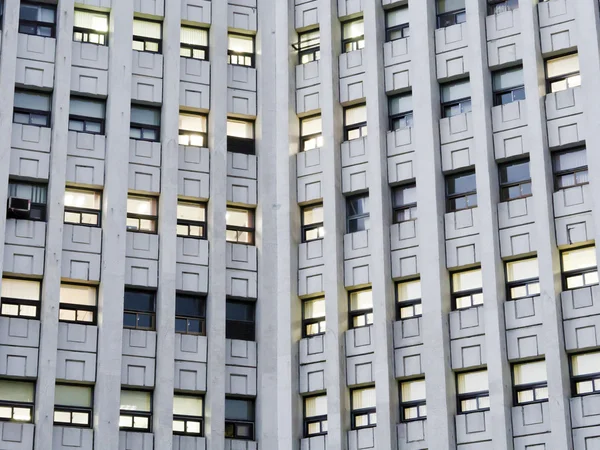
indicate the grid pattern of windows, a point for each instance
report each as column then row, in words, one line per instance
column 562, row 73
column 38, row 19
column 315, row 415
column 78, row 303
column 27, row 201
column 239, row 418
column 473, row 391
column 240, row 50
column 240, row 225
column 311, row 133
column 73, row 405
column 361, row 308
column 408, row 294
column 570, row 168
column 188, row 415
column 467, row 289
column 190, row 313
column 396, row 24
column 585, row 373
column 20, row 298
column 522, row 279
column 404, row 199
column 32, row 108
column 353, row 35
column 147, row 36
column 363, row 413
column 461, row 191
column 142, row 214
column 194, row 43
column 450, row 12
column 193, row 129
column 240, row 317
column 508, row 86
column 579, row 268
column 136, row 410
column 309, row 46
column 355, row 122
column 90, row 27
column 16, row 401
column 412, row 400
column 530, row 383
column 456, row 98
column 139, row 309
column 313, row 317
column 357, row 213
column 191, row 219
column 401, row 111
column 312, row 223
column 515, row 181
column 82, row 207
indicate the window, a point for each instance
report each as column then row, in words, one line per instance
column 240, row 50
column 188, row 415
column 363, row 408
column 522, row 279
column 456, row 98
column 87, row 115
column 312, row 223
column 139, row 309
column 450, row 12
column 313, row 317
column 309, row 46
column 353, row 35
column 500, row 6
column 147, row 36
column 404, row 202
column 240, row 136
column 90, row 27
column 194, row 43
column 145, row 123
column 141, row 214
column 193, row 129
column 579, row 268
column 515, row 180
column 412, row 400
column 239, row 418
column 361, row 308
column 78, row 303
column 73, row 405
column 562, row 73
column 191, row 219
column 1, row 13
column 467, row 289
column 570, row 168
column 530, row 383
column 311, row 133
column 401, row 111
column 473, row 391
column 357, row 213
column 37, row 19
column 315, row 415
column 16, row 401
column 585, row 373
column 409, row 299
column 136, row 410
column 355, row 122
column 461, row 191
column 396, row 24
column 32, row 108
column 190, row 313
column 20, row 298
column 239, row 322
column 240, row 225
column 508, row 86
column 35, row 194
column 82, row 207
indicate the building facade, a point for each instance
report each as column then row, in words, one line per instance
column 299, row 225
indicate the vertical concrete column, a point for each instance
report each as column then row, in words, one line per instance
column 215, row 311
column 557, row 365
column 439, row 378
column 386, row 387
column 167, row 227
column 334, row 212
column 114, row 217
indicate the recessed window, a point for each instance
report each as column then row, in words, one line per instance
column 361, row 308
column 313, row 317
column 522, row 279
column 562, row 73
column 363, row 408
column 396, row 24
column 188, row 415
column 585, row 373
column 461, row 191
column 190, row 314
column 32, row 108
column 311, row 133
column 500, row 6
column 240, row 317
column 353, row 35
column 456, row 98
column 82, row 207
column 240, row 225
column 515, row 180
column 312, row 223
column 194, row 43
column 401, row 111
column 404, row 202
column 315, row 415
column 412, row 400
column 90, row 27
column 37, row 19
column 139, row 309
column 355, row 122
column 193, row 129
column 73, row 405
column 1, row 13
column 473, row 391
column 27, row 201
column 579, row 268
column 78, row 303
column 409, row 299
column 87, row 115
column 240, row 50
column 240, row 136
column 450, row 12
column 309, row 46
column 570, row 168
column 530, row 382
column 142, row 214
column 145, row 123
column 136, row 410
column 357, row 213
column 508, row 86
column 16, row 401
column 20, row 298
column 191, row 219
column 467, row 289
column 147, row 36
column 239, row 418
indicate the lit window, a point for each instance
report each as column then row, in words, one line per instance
column 412, row 400
column 585, row 372
column 315, row 415
column 147, row 36
column 188, row 415
column 240, row 50
column 240, row 320
column 353, row 35
column 563, row 73
column 78, row 303
column 312, row 223
column 240, row 136
column 311, row 133
column 90, row 27
column 579, row 268
column 32, row 108
column 87, row 115
column 401, row 111
column 73, row 405
column 191, row 219
column 461, row 191
column 404, row 202
column 508, row 86
column 355, row 122
column 450, row 12
column 500, row 6
column 515, row 180
column 361, row 308
column 136, row 410
column 473, row 391
column 139, row 309
column 141, row 214
column 396, row 24
column 193, row 129
column 34, row 195
column 82, row 207
column 357, row 213
column 467, row 289
column 363, row 408
column 530, row 382
column 239, row 418
column 194, row 43
column 37, row 19
column 456, row 98
column 309, row 46
column 16, row 401
column 313, row 317
column 190, row 312
column 20, row 298
column 145, row 123
column 522, row 278
column 570, row 168
column 409, row 299
column 240, row 225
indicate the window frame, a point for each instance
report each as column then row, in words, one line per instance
column 475, row 395
column 307, row 421
column 136, row 413
column 79, row 307
column 398, row 210
column 37, row 23
column 453, row 15
column 565, row 275
column 319, row 226
column 75, row 409
column 506, row 185
column 148, row 40
column 354, row 413
column 46, row 115
column 187, row 418
column 236, row 144
column 306, row 322
column 91, row 31
column 398, row 118
column 193, row 223
column 30, row 406
column 418, row 404
column 81, row 211
column 236, row 422
column 138, row 313
column 389, row 31
column 454, row 295
column 142, row 127
column 239, row 229
column 191, row 133
column 410, row 303
column 309, row 137
column 518, row 388
column 22, row 301
column 526, row 282
column 306, row 48
column 464, row 103
column 594, row 377
column 42, row 208
column 86, row 119
column 358, row 313
column 574, row 171
column 361, row 127
column 513, row 90
column 192, row 47
column 509, row 5
column 363, row 215
column 563, row 77
column 201, row 319
column 450, row 198
column 354, row 43
column 245, row 328
column 139, row 217
column 231, row 53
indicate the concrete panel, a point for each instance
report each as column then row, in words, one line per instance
column 19, row 332
column 561, row 37
column 77, row 337
column 581, row 302
column 349, row 7
column 451, row 38
column 574, row 229
column 360, row 370
column 147, row 64
column 189, row 442
column 462, row 251
column 37, row 48
column 503, row 24
column 27, row 164
column 194, row 159
column 412, row 435
column 309, row 162
column 531, row 419
column 130, row 440
column 86, row 145
column 16, row 436
column 308, row 100
column 564, row 103
column 142, row 245
column 241, row 103
column 468, row 352
column 242, row 18
column 241, row 165
column 146, row 90
column 190, row 347
column 400, row 141
column 76, row 366
column 89, row 81
column 311, row 350
column 237, row 444
column 407, row 332
column 566, row 131
column 573, row 200
column 351, row 63
column 352, row 89
column 312, row 377
column 533, row 442
column 357, row 272
column 240, row 353
column 586, row 438
column 355, row 179
column 241, row 256
column 192, row 278
column 198, row 11
column 582, row 333
column 456, row 128
column 524, row 312
column 144, row 152
column 37, row 74
column 151, row 7
column 25, row 232
column 141, row 272
column 309, row 188
column 139, row 343
column 555, row 11
column 467, row 322
column 458, row 155
column 509, row 116
column 192, row 251
column 405, row 262
column 80, row 266
column 408, row 362
column 137, row 371
column 525, row 343
column 193, row 184
column 362, row 439
column 401, row 168
column 194, row 71
column 241, row 191
column 396, row 52
column 195, row 96
column 308, row 74
column 473, row 427
column 504, row 52
column 585, row 411
column 461, row 223
column 306, row 15
column 452, row 64
column 85, row 171
column 240, row 380
column 79, row 238
column 90, row 55
column 359, row 341
column 518, row 240
column 69, row 438
column 241, row 283
column 190, row 376
column 509, row 143
column 144, row 178
column 18, row 361
column 241, row 77
column 310, row 254
column 313, row 443
column 516, row 212
column 23, row 260
column 30, row 137
column 356, row 245
column 404, row 234
column 397, row 78
column 354, row 152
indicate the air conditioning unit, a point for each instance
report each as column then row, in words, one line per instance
column 19, row 208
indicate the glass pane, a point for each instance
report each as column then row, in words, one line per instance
column 179, row 426
column 361, row 300
column 506, row 79
column 141, row 422
column 125, row 421
column 191, row 211
column 145, row 115
column 358, row 205
column 363, row 398
column 316, row 406
column 240, row 44
column 136, row 401
column 445, row 6
column 532, row 372
column 413, row 390
column 562, row 66
column 192, row 122
column 409, row 290
column 147, row 29
column 355, row 114
column 467, row 280
column 472, row 382
column 22, row 414
column 522, row 269
column 400, row 104
column 405, row 195
column 237, row 409
column 314, row 308
column 313, row 214
column 188, row 305
column 32, row 100
column 456, row 91
column 87, row 108
column 91, row 20
column 20, row 289
column 16, row 391
column 525, row 396
column 184, row 405
column 354, row 29
column 81, row 418
column 569, row 160
column 579, row 258
column 193, row 427
column 243, row 311
column 515, row 172
column 139, row 300
column 312, row 125
column 194, row 36
column 73, row 396
column 141, row 205
column 397, row 16
column 82, row 199
column 240, row 128
column 238, row 217
column 460, row 184
column 586, row 363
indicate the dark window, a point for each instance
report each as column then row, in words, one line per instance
column 530, row 382
column 579, row 268
column 34, row 194
column 1, row 14
column 145, row 123
column 456, row 98
column 450, row 12
column 240, row 50
column 78, row 303
column 20, row 298
column 396, row 24
column 409, row 299
column 313, row 317
column 315, row 415
column 515, row 180
column 404, row 202
column 361, row 308
column 467, row 289
column 194, row 43
column 570, row 168
column 190, row 312
column 355, row 122
column 141, row 214
column 191, row 219
column 37, row 19
column 585, row 373
column 412, row 400
column 312, row 223
column 508, row 86
column 500, row 6
column 73, row 405
column 193, row 129
column 32, row 108
column 87, row 115
column 522, row 279
column 239, row 418
column 147, row 36
column 136, row 410
column 240, row 320
column 401, row 111
column 473, row 391
column 353, row 35
column 357, row 213
column 188, row 415
column 309, row 46
column 240, row 225
column 139, row 309
column 16, row 401
column 90, row 27
column 363, row 408
column 311, row 133
column 562, row 73
column 82, row 207
column 461, row 191
column 240, row 136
